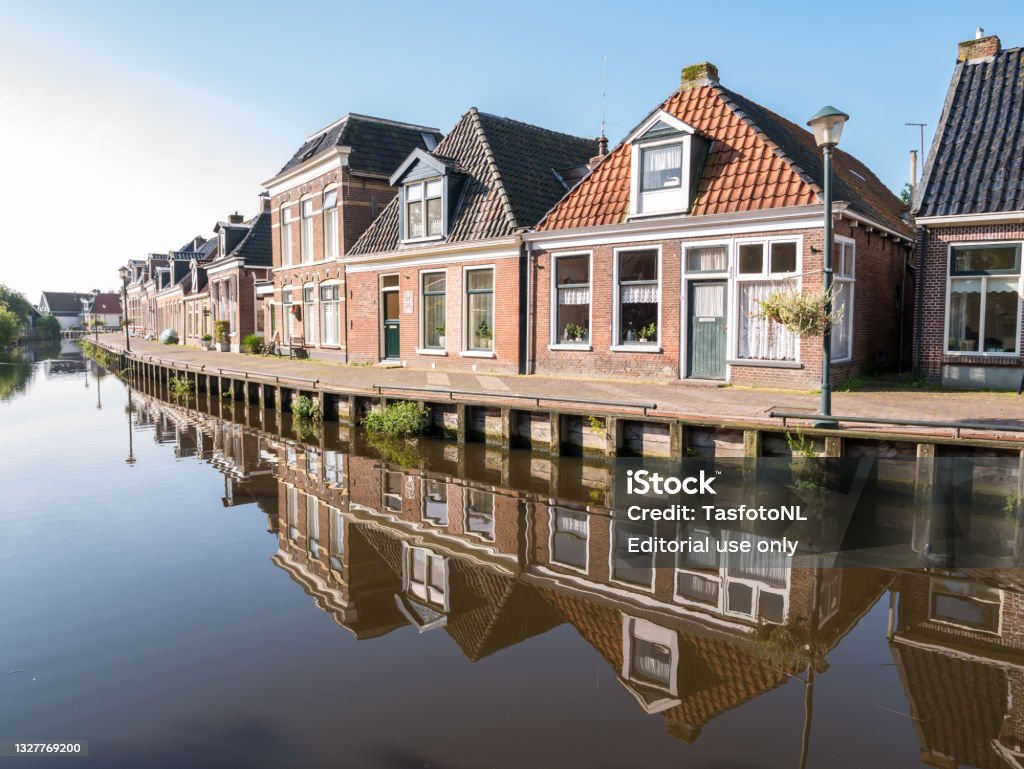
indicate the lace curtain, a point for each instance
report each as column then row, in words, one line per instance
column 761, row 339
column 645, row 293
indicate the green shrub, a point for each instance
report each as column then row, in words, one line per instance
column 401, row 419
column 221, row 330
column 180, row 386
column 396, row 451
column 254, row 344
column 305, row 407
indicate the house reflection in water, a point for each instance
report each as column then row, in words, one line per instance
column 492, row 554
column 959, row 648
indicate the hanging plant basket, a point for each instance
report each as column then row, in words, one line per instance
column 802, row 314
column 297, row 311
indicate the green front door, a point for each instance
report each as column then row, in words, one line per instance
column 391, row 329
column 706, row 320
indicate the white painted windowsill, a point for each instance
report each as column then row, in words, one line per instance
column 477, row 354
column 431, row 351
column 571, row 346
column 651, row 348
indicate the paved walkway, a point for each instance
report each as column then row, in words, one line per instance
column 673, row 398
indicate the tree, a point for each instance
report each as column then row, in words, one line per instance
column 16, row 302
column 48, row 327
column 10, row 327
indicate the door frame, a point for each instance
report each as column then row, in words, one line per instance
column 381, row 320
column 686, row 278
column 690, row 283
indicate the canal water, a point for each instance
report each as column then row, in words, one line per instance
column 202, row 584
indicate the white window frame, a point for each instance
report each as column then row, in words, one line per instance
column 330, row 223
column 554, row 343
column 422, row 183
column 684, row 297
column 490, row 494
column 645, row 630
column 846, row 282
column 651, row 347
column 764, row 275
column 407, row 580
column 320, row 310
column 306, row 231
column 423, row 349
column 679, row 198
column 960, row 625
column 467, row 352
column 310, row 309
column 287, row 246
column 424, row 483
column 612, row 533
column 984, row 292
column 337, row 536
column 553, row 510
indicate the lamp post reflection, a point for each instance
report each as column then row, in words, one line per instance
column 131, row 447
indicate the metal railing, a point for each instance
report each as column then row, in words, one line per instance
column 537, row 399
column 927, row 423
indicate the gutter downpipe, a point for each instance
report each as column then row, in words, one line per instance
column 919, row 301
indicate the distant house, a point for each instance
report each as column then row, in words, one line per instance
column 437, row 279
column 971, row 207
column 103, row 309
column 656, row 264
column 66, row 306
column 322, row 200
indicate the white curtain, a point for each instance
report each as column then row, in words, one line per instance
column 709, row 259
column 761, row 339
column 574, row 295
column 709, row 300
column 841, row 332
column 646, row 293
column 769, row 568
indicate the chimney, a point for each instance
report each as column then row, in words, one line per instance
column 981, row 47
column 602, row 150
column 264, row 204
column 236, row 218
column 697, row 75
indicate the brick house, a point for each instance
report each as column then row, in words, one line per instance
column 970, row 206
column 174, row 280
column 321, row 201
column 436, row 279
column 656, row 263
column 244, row 258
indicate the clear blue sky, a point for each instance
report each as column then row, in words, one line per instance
column 188, row 107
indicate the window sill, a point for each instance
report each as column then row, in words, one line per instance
column 645, row 348
column 477, row 354
column 431, row 351
column 980, row 354
column 421, row 241
column 752, row 363
column 581, row 347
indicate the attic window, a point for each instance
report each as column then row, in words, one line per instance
column 661, row 167
column 424, row 205
column 665, row 159
column 429, row 141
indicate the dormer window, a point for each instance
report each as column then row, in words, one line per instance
column 666, row 155
column 424, row 209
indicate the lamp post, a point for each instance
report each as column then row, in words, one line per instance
column 123, row 272
column 131, row 448
column 827, row 125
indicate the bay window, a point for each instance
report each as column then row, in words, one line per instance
column 306, row 232
column 330, row 315
column 842, row 300
column 984, row 299
column 433, row 287
column 287, row 257
column 331, row 224
column 762, row 270
column 480, row 309
column 639, row 295
column 424, row 204
column 572, row 299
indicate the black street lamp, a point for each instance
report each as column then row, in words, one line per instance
column 123, row 272
column 827, row 125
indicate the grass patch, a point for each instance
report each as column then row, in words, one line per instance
column 180, row 387
column 401, row 419
column 305, row 407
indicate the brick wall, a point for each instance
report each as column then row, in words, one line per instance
column 364, row 321
column 879, row 284
column 934, row 262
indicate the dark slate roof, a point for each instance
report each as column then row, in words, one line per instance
column 378, row 145
column 510, row 179
column 976, row 162
column 64, row 302
column 255, row 248
column 853, row 182
column 105, row 303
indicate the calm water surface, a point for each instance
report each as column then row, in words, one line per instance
column 187, row 588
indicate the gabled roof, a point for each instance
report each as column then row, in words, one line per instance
column 377, row 145
column 758, row 160
column 63, row 302
column 510, row 179
column 976, row 162
column 254, row 248
column 105, row 304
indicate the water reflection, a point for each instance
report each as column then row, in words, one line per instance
column 490, row 549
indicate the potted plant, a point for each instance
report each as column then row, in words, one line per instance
column 221, row 330
column 441, row 339
column 207, row 341
column 483, row 331
column 574, row 332
column 648, row 333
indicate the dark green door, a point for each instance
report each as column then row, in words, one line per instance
column 391, row 330
column 707, row 329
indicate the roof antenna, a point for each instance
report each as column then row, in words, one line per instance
column 602, row 141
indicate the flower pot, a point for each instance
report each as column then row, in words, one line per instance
column 442, row 341
column 224, row 346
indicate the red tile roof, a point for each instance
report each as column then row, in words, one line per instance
column 758, row 161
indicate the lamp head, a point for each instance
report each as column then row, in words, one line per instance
column 827, row 125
